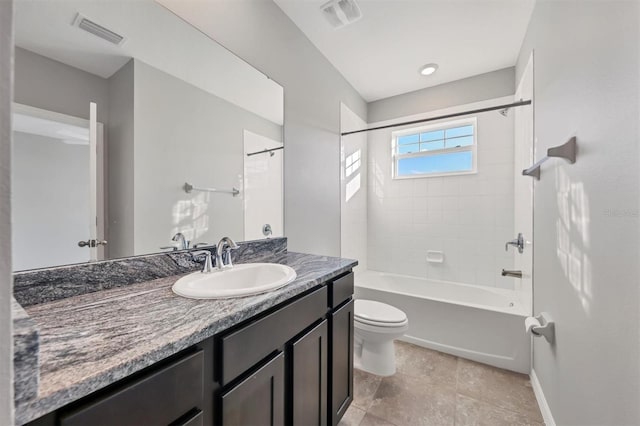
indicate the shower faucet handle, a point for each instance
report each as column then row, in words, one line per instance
column 518, row 242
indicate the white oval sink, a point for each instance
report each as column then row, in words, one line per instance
column 241, row 280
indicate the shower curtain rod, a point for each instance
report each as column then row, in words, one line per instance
column 457, row 114
column 249, row 154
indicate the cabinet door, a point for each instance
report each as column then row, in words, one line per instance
column 157, row 398
column 257, row 400
column 341, row 363
column 309, row 374
column 249, row 344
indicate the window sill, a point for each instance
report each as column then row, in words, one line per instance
column 433, row 175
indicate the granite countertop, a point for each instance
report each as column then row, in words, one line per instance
column 92, row 340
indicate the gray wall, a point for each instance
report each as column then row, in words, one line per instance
column 44, row 83
column 119, row 230
column 260, row 33
column 6, row 342
column 473, row 89
column 183, row 133
column 587, row 235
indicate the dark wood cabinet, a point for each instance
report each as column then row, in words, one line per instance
column 292, row 364
column 309, row 375
column 341, row 361
column 193, row 418
column 259, row 399
column 158, row 398
column 246, row 345
column 340, row 290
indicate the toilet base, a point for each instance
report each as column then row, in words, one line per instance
column 377, row 358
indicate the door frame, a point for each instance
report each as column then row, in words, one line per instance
column 99, row 167
column 527, row 77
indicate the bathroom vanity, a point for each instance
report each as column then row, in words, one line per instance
column 139, row 354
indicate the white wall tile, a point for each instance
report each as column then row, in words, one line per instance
column 468, row 217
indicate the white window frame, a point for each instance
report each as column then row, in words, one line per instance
column 440, row 126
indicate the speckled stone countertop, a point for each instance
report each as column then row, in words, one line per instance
column 25, row 354
column 91, row 340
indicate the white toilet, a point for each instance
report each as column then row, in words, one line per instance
column 376, row 326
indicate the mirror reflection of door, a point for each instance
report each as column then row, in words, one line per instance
column 53, row 196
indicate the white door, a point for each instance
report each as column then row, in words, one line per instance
column 523, row 186
column 56, row 188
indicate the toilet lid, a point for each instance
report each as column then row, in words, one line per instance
column 370, row 311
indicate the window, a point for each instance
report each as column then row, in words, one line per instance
column 443, row 149
column 352, row 163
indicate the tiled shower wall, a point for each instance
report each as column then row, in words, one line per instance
column 468, row 217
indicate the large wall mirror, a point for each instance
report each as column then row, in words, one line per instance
column 135, row 133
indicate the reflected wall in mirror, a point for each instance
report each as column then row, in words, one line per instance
column 172, row 107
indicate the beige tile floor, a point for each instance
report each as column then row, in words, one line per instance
column 432, row 388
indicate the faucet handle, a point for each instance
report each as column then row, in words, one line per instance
column 518, row 243
column 226, row 255
column 207, row 266
column 197, row 245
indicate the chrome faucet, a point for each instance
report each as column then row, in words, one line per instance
column 518, row 243
column 183, row 243
column 223, row 252
column 207, row 266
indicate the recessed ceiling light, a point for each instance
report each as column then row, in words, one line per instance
column 429, row 69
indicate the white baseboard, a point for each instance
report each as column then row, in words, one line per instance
column 542, row 401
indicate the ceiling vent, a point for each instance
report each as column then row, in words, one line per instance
column 341, row 12
column 98, row 30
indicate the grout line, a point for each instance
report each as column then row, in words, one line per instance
column 455, row 406
column 373, row 397
column 519, row 413
column 457, row 373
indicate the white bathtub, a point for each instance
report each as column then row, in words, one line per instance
column 484, row 324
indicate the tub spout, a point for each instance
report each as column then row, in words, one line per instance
column 514, row 274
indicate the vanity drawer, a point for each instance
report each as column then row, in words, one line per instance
column 158, row 398
column 194, row 418
column 244, row 348
column 341, row 289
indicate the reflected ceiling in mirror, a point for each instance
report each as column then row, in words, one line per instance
column 172, row 107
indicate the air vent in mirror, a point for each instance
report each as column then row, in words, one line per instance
column 98, row 30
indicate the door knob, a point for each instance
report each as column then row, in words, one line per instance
column 92, row 243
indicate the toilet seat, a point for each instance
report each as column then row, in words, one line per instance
column 379, row 314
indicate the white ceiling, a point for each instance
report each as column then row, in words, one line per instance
column 381, row 53
column 153, row 35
